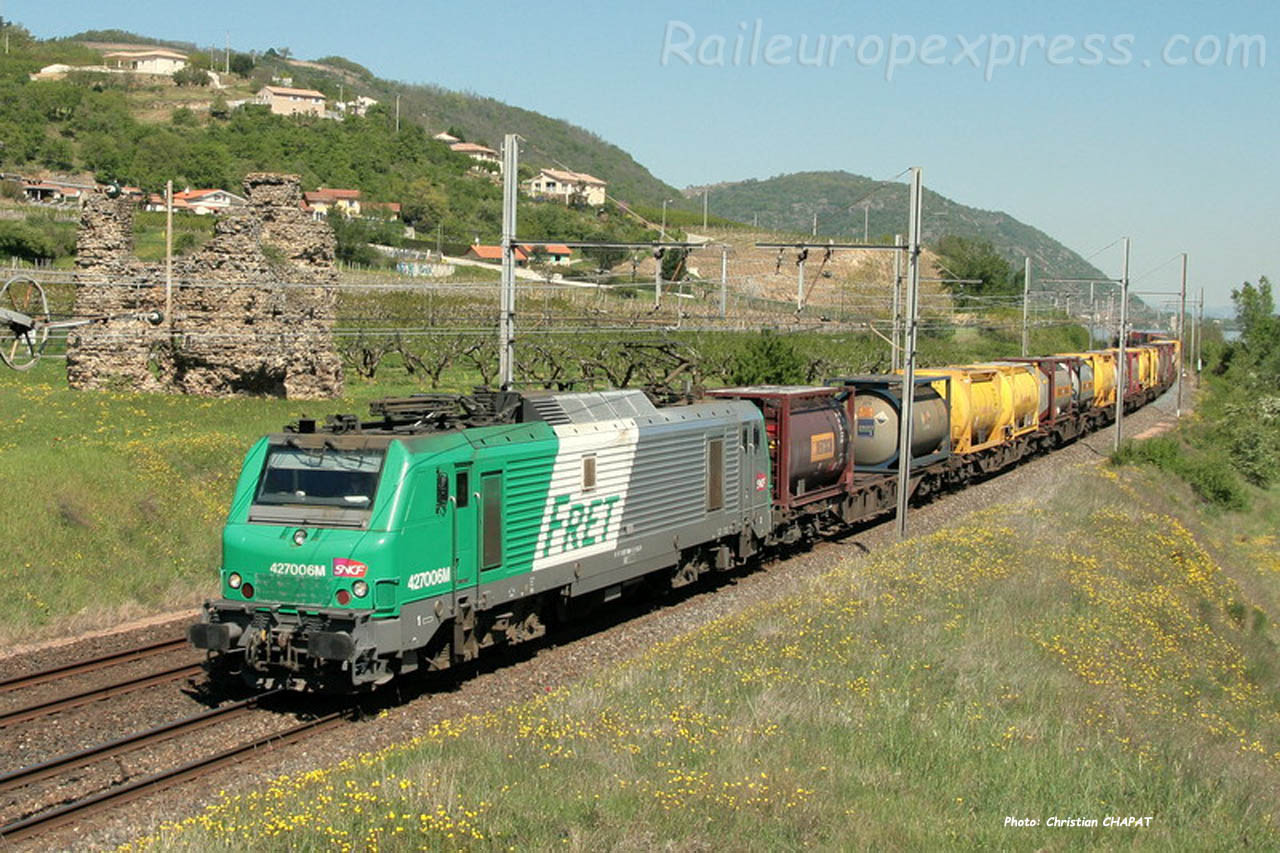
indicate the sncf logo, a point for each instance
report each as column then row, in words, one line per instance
column 344, row 568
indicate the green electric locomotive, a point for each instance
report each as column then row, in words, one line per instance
column 355, row 551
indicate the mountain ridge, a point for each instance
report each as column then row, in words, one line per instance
column 787, row 202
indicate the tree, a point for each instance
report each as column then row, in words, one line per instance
column 425, row 205
column 1256, row 316
column 191, row 76
column 768, row 360
column 218, row 107
column 978, row 261
column 242, row 64
column 673, row 264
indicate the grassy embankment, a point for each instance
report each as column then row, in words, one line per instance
column 1107, row 653
column 117, row 498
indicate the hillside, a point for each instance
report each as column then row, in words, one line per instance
column 203, row 143
column 788, row 203
column 475, row 118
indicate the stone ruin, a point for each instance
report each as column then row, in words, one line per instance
column 252, row 310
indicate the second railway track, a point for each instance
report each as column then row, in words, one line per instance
column 130, row 655
column 109, row 797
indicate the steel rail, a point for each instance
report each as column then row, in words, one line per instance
column 43, row 709
column 89, row 665
column 104, row 800
column 129, row 743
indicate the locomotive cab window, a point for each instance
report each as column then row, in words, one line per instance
column 588, row 473
column 319, row 477
column 464, row 489
column 491, row 521
column 715, row 474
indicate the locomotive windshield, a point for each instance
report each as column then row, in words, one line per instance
column 343, row 478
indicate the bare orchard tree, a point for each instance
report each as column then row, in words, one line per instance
column 429, row 356
column 551, row 364
column 481, row 354
column 364, row 351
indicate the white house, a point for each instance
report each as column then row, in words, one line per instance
column 153, row 61
column 479, row 153
column 563, row 185
column 201, row 202
column 286, row 101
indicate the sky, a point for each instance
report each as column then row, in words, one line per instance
column 1092, row 121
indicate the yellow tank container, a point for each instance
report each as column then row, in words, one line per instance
column 1103, row 363
column 990, row 404
column 1148, row 367
column 1025, row 385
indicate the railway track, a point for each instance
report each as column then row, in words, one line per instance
column 109, row 798
column 95, row 694
column 136, row 653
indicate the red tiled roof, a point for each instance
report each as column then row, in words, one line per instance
column 285, row 90
column 472, row 148
column 550, row 248
column 494, row 253
column 572, row 177
column 325, row 194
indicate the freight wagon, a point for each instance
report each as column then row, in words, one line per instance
column 356, row 551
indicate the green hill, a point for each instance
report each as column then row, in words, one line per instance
column 788, row 203
column 548, row 141
column 107, row 126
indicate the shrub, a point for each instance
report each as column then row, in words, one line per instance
column 1210, row 474
column 768, row 360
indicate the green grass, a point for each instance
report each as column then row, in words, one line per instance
column 190, row 232
column 116, row 500
column 1088, row 657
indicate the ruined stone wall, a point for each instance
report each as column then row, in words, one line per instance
column 253, row 310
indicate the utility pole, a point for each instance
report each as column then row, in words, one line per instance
column 704, row 209
column 226, row 64
column 1026, row 294
column 397, row 112
column 1200, row 334
column 815, row 225
column 507, row 296
column 895, row 354
column 1093, row 314
column 866, row 221
column 1182, row 326
column 909, row 375
column 724, row 280
column 440, row 238
column 804, row 253
column 1121, row 378
column 657, row 277
column 168, row 253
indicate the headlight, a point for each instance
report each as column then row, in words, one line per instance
column 360, row 588
column 299, row 536
column 234, row 580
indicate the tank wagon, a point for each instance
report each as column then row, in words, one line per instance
column 357, row 550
